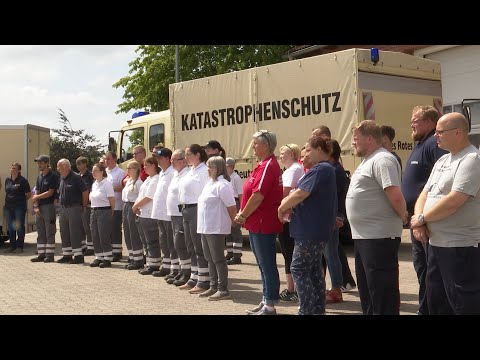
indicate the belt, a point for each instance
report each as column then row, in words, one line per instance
column 70, row 206
column 185, row 206
column 102, row 208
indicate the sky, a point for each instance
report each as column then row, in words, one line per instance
column 35, row 80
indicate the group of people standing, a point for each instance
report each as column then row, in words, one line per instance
column 178, row 210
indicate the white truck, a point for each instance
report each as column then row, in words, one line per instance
column 291, row 98
column 22, row 144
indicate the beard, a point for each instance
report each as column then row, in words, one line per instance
column 358, row 152
column 417, row 136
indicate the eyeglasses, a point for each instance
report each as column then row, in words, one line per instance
column 138, row 152
column 288, row 147
column 188, row 154
column 178, row 159
column 440, row 132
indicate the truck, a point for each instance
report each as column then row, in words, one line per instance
column 22, row 144
column 291, row 98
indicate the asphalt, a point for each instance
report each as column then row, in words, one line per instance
column 28, row 288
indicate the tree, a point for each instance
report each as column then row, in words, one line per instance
column 70, row 144
column 154, row 69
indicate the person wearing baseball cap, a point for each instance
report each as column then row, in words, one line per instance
column 165, row 152
column 43, row 158
column 213, row 148
column 43, row 201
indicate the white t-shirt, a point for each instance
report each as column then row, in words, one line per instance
column 100, row 193
column 172, row 195
column 369, row 211
column 461, row 173
column 148, row 190
column 291, row 175
column 115, row 176
column 212, row 215
column 192, row 184
column 131, row 190
column 237, row 184
column 159, row 209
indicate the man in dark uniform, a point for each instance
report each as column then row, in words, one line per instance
column 43, row 203
column 87, row 177
column 73, row 197
column 417, row 170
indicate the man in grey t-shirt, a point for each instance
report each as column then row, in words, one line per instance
column 449, row 205
column 376, row 210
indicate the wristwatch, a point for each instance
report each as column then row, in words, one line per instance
column 421, row 218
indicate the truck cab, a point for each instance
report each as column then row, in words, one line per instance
column 145, row 128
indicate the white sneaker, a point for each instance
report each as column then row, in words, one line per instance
column 255, row 309
column 348, row 287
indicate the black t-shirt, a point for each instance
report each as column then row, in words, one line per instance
column 45, row 183
column 418, row 168
column 88, row 179
column 71, row 189
column 15, row 191
column 341, row 180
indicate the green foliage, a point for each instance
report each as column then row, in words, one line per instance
column 71, row 144
column 154, row 69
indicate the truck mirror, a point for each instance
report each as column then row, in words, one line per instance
column 112, row 144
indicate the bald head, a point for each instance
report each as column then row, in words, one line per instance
column 455, row 120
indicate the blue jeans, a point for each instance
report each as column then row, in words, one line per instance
column 16, row 226
column 263, row 247
column 308, row 277
column 333, row 260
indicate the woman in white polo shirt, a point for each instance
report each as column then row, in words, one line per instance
column 189, row 190
column 102, row 199
column 216, row 211
column 130, row 230
column 143, row 208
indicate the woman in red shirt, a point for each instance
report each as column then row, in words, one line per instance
column 262, row 194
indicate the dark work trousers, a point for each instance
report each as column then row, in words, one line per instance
column 101, row 225
column 234, row 241
column 141, row 234
column 346, row 273
column 179, row 242
column 286, row 245
column 199, row 276
column 86, row 227
column 213, row 245
column 150, row 231
column 117, row 233
column 376, row 267
column 308, row 277
column 46, row 227
column 170, row 258
column 420, row 256
column 130, row 232
column 71, row 230
column 453, row 280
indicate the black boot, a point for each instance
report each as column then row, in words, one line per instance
column 183, row 279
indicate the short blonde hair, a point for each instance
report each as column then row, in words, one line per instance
column 267, row 137
column 369, row 128
column 293, row 148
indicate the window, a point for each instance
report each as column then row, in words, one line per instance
column 157, row 135
column 130, row 138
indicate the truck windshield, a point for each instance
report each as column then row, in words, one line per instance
column 130, row 138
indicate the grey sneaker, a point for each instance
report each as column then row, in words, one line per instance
column 219, row 295
column 208, row 293
column 255, row 309
column 264, row 311
column 348, row 287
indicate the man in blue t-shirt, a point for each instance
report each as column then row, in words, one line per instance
column 417, row 170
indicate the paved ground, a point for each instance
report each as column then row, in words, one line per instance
column 38, row 288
